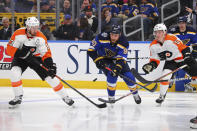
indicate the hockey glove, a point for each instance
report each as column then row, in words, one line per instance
column 149, row 67
column 164, row 55
column 116, row 71
column 100, row 63
column 188, row 59
column 52, row 69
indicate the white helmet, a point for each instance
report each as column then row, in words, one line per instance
column 32, row 21
column 160, row 26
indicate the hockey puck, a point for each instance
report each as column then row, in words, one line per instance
column 94, row 80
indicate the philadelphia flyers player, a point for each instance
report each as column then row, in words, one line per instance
column 170, row 48
column 29, row 48
column 110, row 50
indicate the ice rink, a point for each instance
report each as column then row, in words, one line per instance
column 43, row 110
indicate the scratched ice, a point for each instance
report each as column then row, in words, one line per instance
column 43, row 110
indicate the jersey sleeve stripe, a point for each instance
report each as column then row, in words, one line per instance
column 11, row 50
column 122, row 47
column 47, row 55
column 104, row 41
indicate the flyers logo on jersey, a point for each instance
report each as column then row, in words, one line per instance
column 33, row 49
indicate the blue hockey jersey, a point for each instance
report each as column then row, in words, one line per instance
column 189, row 37
column 103, row 46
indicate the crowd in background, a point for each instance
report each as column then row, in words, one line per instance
column 85, row 27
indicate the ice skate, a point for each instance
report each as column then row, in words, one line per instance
column 137, row 98
column 68, row 101
column 189, row 88
column 193, row 123
column 160, row 99
column 15, row 102
column 111, row 99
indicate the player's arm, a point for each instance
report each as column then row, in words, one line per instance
column 46, row 55
column 17, row 49
column 121, row 58
column 92, row 52
column 153, row 63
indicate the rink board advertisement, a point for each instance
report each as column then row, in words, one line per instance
column 74, row 65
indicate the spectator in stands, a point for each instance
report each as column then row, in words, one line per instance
column 66, row 9
column 113, row 7
column 44, row 28
column 106, row 20
column 84, row 28
column 23, row 6
column 45, row 8
column 129, row 9
column 149, row 13
column 67, row 31
column 6, row 31
column 92, row 20
column 7, row 6
column 88, row 3
column 190, row 10
column 34, row 8
column 52, row 4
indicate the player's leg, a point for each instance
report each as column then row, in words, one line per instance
column 18, row 67
column 164, row 87
column 111, row 86
column 132, row 87
column 59, row 89
column 53, row 82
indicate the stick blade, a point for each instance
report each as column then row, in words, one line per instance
column 106, row 101
column 102, row 105
column 138, row 76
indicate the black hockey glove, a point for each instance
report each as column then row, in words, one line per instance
column 149, row 67
column 52, row 69
column 188, row 59
column 116, row 71
column 164, row 55
column 100, row 63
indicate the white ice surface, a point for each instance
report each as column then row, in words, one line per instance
column 43, row 110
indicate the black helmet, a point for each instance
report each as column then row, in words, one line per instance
column 116, row 29
column 182, row 19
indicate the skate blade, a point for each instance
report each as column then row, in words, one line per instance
column 158, row 104
column 13, row 106
column 193, row 125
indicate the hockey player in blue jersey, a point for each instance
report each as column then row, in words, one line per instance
column 110, row 50
column 189, row 37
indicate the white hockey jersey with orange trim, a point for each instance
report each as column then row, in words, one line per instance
column 20, row 37
column 172, row 44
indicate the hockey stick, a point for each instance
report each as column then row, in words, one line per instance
column 124, row 77
column 141, row 79
column 138, row 58
column 114, row 101
column 97, row 105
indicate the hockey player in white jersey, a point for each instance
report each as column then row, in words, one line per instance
column 170, row 48
column 29, row 48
